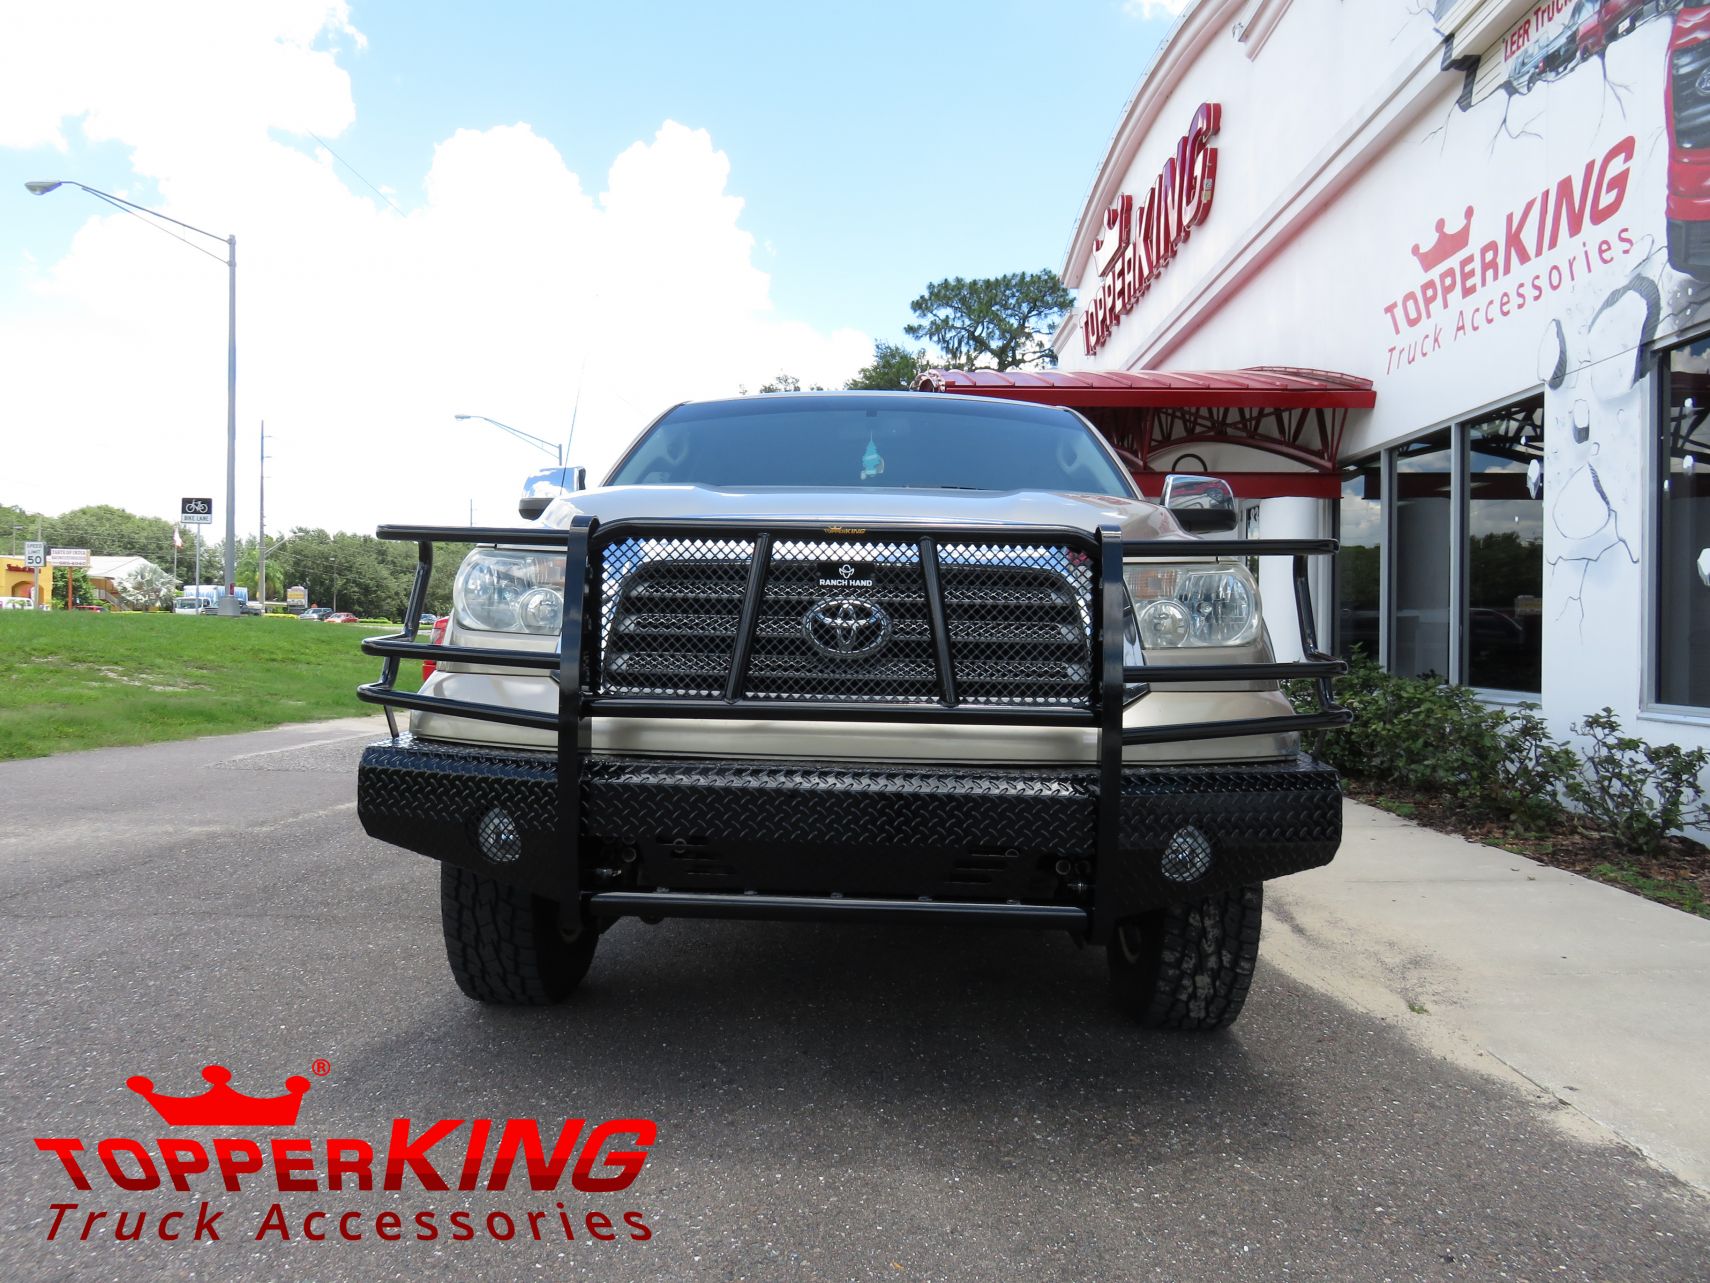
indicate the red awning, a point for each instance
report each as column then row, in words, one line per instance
column 1293, row 414
column 1256, row 387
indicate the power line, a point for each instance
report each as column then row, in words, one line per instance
column 353, row 169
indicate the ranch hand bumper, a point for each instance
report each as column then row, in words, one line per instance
column 692, row 837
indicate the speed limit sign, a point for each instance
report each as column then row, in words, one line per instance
column 196, row 512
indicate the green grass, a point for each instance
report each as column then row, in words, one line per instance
column 1681, row 894
column 82, row 680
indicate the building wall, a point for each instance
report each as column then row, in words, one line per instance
column 16, row 578
column 1360, row 146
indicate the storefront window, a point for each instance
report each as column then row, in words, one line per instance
column 1358, row 565
column 1505, row 549
column 1683, row 529
column 1420, row 566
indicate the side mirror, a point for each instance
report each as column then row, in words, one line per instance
column 1200, row 504
column 548, row 484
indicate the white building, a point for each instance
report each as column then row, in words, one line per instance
column 1499, row 215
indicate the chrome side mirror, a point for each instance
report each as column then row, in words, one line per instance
column 1200, row 504
column 548, row 484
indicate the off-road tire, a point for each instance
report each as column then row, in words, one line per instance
column 505, row 945
column 1188, row 966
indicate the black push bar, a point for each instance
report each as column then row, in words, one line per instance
column 579, row 698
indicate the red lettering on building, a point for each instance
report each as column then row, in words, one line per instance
column 1139, row 235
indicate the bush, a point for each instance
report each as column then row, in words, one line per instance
column 1638, row 793
column 1482, row 762
column 1424, row 736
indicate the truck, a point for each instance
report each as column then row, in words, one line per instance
column 860, row 657
column 203, row 599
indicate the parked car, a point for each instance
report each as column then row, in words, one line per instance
column 316, row 614
column 341, row 617
column 1603, row 21
column 955, row 638
column 15, row 603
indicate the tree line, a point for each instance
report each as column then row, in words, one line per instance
column 359, row 573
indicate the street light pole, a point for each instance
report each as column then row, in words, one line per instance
column 228, row 604
column 261, row 520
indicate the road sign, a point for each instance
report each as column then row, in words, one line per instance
column 75, row 557
column 297, row 595
column 196, row 512
column 35, row 554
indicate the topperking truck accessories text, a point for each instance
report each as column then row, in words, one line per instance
column 860, row 657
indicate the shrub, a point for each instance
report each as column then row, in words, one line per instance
column 1638, row 793
column 1425, row 736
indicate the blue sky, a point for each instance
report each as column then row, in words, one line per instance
column 873, row 148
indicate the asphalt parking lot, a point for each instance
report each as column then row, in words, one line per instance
column 831, row 1103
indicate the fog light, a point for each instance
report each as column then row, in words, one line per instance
column 500, row 839
column 1187, row 858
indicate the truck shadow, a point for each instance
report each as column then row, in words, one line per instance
column 997, row 1047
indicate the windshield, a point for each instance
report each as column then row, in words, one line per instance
column 801, row 440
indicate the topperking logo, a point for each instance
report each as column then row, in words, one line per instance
column 241, row 1151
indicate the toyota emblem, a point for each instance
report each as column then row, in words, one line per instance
column 845, row 628
column 1702, row 84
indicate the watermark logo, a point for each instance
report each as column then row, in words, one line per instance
column 554, row 1160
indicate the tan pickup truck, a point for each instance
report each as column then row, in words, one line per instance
column 860, row 656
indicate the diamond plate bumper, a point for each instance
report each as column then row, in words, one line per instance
column 966, row 836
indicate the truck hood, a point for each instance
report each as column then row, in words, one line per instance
column 1136, row 518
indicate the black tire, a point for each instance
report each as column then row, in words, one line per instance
column 504, row 944
column 1188, row 966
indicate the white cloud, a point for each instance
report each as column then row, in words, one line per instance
column 1149, row 9
column 361, row 331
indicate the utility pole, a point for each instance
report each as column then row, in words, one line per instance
column 335, row 585
column 261, row 520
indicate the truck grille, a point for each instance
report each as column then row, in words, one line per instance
column 846, row 620
column 1690, row 98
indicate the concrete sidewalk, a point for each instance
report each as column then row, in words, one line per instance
column 1599, row 999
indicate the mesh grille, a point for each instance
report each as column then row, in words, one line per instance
column 668, row 614
column 1691, row 103
column 846, row 620
column 1020, row 623
column 816, row 624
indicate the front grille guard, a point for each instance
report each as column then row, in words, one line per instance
column 1106, row 549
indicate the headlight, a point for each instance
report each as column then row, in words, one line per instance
column 510, row 592
column 1197, row 604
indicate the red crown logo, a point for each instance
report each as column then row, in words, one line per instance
column 1448, row 243
column 220, row 1106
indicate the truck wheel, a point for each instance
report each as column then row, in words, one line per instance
column 1188, row 966
column 504, row 944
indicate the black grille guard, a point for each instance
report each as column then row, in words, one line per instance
column 1106, row 548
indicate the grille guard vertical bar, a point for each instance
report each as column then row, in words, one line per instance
column 573, row 630
column 937, row 621
column 758, row 569
column 1108, row 635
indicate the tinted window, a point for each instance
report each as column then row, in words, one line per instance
column 910, row 442
column 1421, row 562
column 1683, row 529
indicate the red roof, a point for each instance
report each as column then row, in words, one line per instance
column 1256, row 387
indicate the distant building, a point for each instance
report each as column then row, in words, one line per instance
column 17, row 579
column 107, row 573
